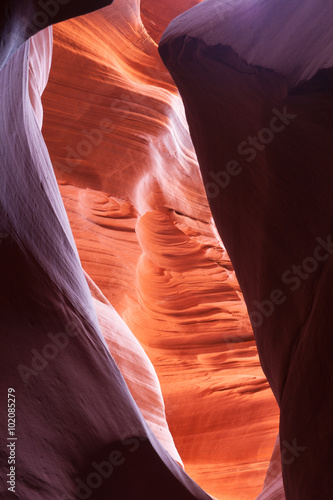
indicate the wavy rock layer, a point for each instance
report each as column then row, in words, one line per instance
column 131, row 185
column 21, row 20
column 79, row 432
column 264, row 148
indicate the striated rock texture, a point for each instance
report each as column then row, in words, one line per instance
column 132, row 211
column 79, row 432
column 131, row 185
column 21, row 20
column 259, row 106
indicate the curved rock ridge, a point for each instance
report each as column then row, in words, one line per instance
column 156, row 20
column 263, row 143
column 129, row 178
column 80, row 433
column 40, row 59
column 134, row 365
column 295, row 41
column 21, row 20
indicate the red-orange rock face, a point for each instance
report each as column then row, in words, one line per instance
column 144, row 232
column 158, row 292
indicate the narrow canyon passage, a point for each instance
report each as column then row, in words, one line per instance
column 175, row 289
column 148, row 181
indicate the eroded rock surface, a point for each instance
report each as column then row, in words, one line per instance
column 259, row 113
column 158, row 280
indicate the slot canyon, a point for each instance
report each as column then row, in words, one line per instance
column 166, row 242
